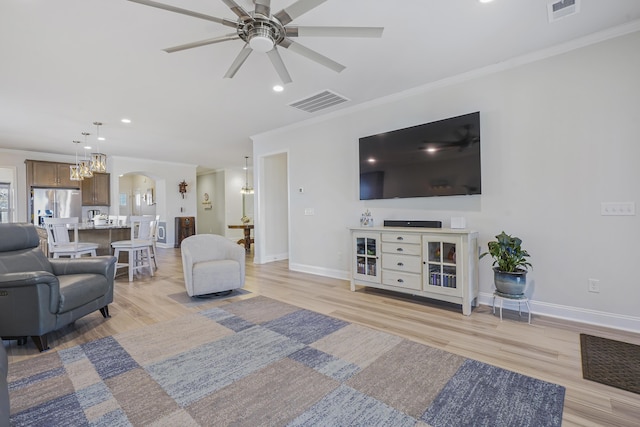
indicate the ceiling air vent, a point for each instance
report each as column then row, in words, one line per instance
column 562, row 8
column 319, row 101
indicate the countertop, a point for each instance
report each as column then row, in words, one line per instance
column 88, row 226
column 101, row 227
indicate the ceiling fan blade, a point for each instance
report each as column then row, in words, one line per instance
column 186, row 12
column 263, row 7
column 232, row 36
column 237, row 9
column 312, row 55
column 334, row 31
column 296, row 9
column 237, row 63
column 276, row 60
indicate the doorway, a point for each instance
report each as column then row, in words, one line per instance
column 273, row 208
column 136, row 195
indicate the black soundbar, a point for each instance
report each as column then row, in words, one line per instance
column 405, row 223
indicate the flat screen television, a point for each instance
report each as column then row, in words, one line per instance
column 440, row 158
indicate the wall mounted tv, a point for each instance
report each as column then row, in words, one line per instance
column 440, row 158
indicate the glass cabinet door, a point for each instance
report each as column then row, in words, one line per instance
column 367, row 257
column 441, row 265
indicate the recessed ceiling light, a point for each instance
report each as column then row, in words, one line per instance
column 485, row 1
column 101, row 138
column 278, row 88
column 126, row 120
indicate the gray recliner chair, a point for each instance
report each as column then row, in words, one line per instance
column 4, row 388
column 39, row 295
column 212, row 264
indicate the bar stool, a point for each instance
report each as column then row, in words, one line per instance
column 59, row 242
column 154, row 239
column 138, row 247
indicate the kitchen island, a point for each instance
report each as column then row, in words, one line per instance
column 103, row 235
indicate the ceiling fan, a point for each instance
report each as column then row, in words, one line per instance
column 264, row 32
column 464, row 139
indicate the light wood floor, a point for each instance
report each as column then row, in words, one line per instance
column 548, row 349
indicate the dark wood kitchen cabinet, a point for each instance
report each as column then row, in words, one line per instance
column 96, row 191
column 49, row 174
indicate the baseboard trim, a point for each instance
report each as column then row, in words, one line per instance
column 576, row 314
column 271, row 258
column 335, row 274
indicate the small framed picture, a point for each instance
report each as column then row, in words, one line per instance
column 206, row 201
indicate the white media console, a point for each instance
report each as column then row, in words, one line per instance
column 437, row 263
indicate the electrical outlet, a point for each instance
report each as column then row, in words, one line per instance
column 594, row 285
column 618, row 208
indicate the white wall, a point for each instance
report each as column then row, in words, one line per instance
column 211, row 218
column 558, row 137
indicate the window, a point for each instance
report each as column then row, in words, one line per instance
column 5, row 201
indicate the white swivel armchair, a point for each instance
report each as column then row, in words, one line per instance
column 212, row 265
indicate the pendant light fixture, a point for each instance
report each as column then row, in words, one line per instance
column 74, row 170
column 98, row 159
column 246, row 189
column 85, row 165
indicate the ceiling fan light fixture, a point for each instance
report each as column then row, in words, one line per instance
column 261, row 42
column 261, row 35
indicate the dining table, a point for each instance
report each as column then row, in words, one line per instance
column 246, row 240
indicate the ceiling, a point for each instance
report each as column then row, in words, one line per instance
column 68, row 63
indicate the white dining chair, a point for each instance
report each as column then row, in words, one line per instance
column 154, row 239
column 138, row 246
column 59, row 242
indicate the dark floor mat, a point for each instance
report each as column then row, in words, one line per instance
column 610, row 362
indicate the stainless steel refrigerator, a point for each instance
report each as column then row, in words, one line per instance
column 56, row 203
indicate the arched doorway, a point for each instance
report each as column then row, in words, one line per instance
column 136, row 195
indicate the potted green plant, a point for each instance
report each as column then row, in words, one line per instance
column 510, row 264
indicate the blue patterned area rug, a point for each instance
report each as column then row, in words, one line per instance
column 260, row 362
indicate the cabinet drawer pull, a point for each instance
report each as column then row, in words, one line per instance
column 399, row 238
column 399, row 249
column 400, row 264
column 400, row 281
